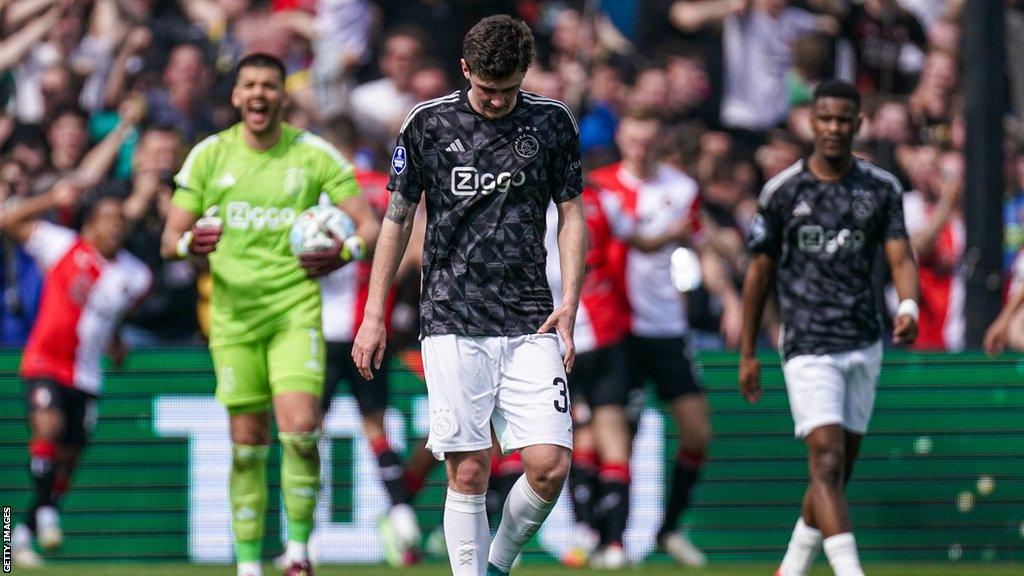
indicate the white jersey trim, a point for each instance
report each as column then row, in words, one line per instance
column 48, row 243
column 181, row 180
column 881, row 174
column 531, row 98
column 453, row 97
column 321, row 144
column 776, row 182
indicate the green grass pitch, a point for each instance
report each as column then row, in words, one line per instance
column 436, row 569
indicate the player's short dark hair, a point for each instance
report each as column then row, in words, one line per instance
column 91, row 202
column 837, row 89
column 261, row 60
column 498, row 47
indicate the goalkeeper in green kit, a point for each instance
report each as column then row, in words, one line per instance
column 238, row 194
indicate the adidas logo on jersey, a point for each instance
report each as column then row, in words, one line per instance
column 802, row 210
column 455, row 146
column 227, row 180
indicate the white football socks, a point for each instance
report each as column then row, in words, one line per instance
column 522, row 515
column 296, row 552
column 466, row 534
column 250, row 569
column 803, row 549
column 841, row 550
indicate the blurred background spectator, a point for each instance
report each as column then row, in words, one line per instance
column 111, row 92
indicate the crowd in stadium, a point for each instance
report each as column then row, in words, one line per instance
column 110, row 94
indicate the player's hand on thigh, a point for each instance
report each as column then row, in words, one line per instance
column 750, row 379
column 563, row 320
column 368, row 347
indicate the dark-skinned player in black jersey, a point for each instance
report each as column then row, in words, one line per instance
column 819, row 226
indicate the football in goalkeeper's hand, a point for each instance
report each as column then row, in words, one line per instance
column 314, row 228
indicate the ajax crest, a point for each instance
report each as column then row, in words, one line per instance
column 526, row 146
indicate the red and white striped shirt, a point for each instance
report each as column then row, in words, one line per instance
column 650, row 208
column 84, row 298
column 603, row 315
column 942, row 323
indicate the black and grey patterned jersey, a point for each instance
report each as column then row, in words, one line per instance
column 824, row 237
column 488, row 184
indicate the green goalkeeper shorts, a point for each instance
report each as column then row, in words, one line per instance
column 249, row 374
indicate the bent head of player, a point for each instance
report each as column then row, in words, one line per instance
column 258, row 95
column 102, row 225
column 495, row 56
column 835, row 120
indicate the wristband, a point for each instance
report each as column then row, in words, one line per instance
column 353, row 248
column 909, row 307
column 184, row 244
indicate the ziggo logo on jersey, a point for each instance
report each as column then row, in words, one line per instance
column 242, row 216
column 814, row 239
column 468, row 181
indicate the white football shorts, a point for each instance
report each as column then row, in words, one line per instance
column 517, row 384
column 833, row 388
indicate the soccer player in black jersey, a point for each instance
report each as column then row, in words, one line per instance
column 819, row 225
column 488, row 160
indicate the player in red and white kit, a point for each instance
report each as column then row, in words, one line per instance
column 89, row 285
column 344, row 293
column 599, row 479
column 654, row 209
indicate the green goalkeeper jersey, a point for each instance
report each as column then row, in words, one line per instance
column 258, row 285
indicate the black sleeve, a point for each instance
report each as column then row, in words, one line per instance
column 766, row 228
column 566, row 169
column 895, row 223
column 406, row 176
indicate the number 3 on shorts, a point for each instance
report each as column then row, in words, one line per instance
column 564, row 393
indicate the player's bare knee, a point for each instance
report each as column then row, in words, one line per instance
column 46, row 424
column 696, row 439
column 547, row 476
column 300, row 423
column 828, row 465
column 46, row 433
column 469, row 474
column 250, row 435
column 373, row 425
column 465, row 483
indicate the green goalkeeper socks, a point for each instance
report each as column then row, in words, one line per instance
column 300, row 481
column 248, row 499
